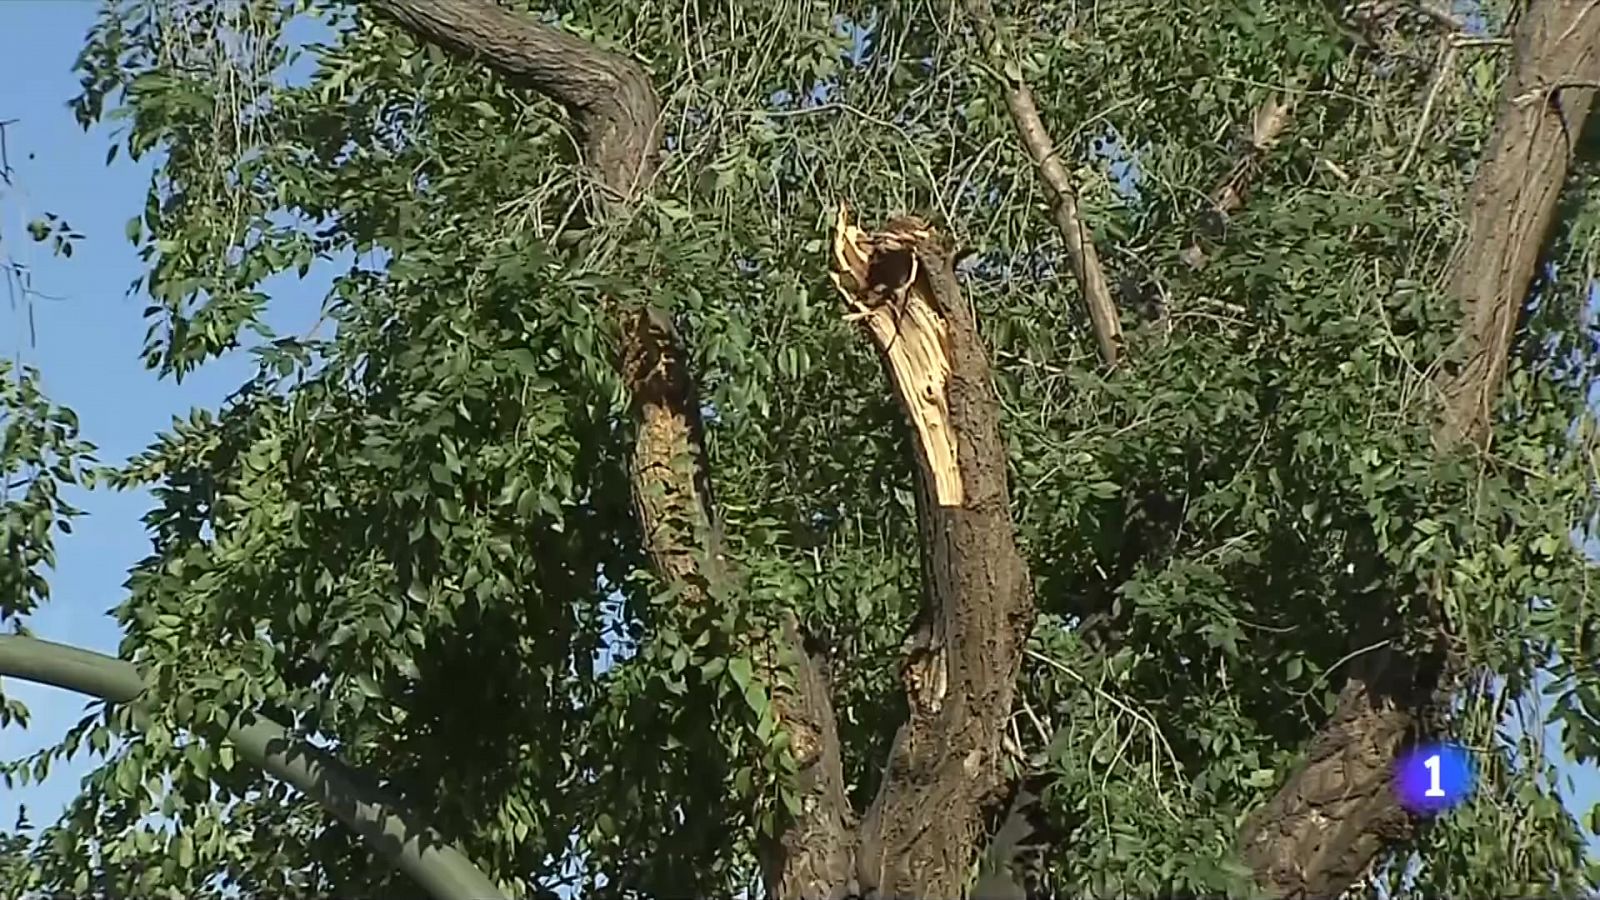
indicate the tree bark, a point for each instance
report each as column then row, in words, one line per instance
column 617, row 113
column 946, row 767
column 611, row 97
column 1335, row 813
column 921, row 832
column 1544, row 104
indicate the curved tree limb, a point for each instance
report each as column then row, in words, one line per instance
column 1104, row 319
column 1333, row 816
column 946, row 767
column 1544, row 103
column 618, row 113
column 611, row 97
column 438, row 867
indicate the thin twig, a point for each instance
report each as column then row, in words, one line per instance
column 1446, row 63
column 1103, row 315
column 1138, row 715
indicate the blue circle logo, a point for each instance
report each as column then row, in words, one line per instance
column 1433, row 778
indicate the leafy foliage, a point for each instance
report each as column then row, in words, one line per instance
column 411, row 538
column 40, row 450
column 41, row 456
column 40, row 453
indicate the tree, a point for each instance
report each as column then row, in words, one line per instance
column 1176, row 601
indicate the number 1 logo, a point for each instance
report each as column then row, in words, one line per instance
column 1434, row 789
column 1434, row 778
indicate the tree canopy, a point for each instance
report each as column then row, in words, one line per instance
column 588, row 526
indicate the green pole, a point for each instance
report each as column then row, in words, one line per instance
column 442, row 870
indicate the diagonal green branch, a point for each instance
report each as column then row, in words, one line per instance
column 438, row 867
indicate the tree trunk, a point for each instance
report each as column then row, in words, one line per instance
column 921, row 833
column 1336, row 813
column 923, row 830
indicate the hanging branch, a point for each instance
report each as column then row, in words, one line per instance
column 1266, row 126
column 617, row 114
column 1104, row 319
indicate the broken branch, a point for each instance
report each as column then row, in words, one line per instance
column 1266, row 126
column 947, row 763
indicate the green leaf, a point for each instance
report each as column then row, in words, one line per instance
column 524, row 361
column 739, row 670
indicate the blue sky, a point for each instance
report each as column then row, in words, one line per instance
column 88, row 334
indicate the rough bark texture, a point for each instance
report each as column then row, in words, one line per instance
column 617, row 111
column 610, row 96
column 1335, row 813
column 1103, row 316
column 814, row 857
column 922, row 831
column 1544, row 105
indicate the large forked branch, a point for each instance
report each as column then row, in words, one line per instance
column 436, row 866
column 946, row 767
column 1103, row 317
column 617, row 113
column 1335, row 814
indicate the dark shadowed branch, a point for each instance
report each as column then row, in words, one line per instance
column 617, row 112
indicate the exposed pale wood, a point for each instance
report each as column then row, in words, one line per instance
column 922, row 832
column 912, row 334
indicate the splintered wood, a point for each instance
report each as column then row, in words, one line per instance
column 885, row 279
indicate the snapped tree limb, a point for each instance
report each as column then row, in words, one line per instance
column 947, row 766
column 1231, row 191
column 1335, row 813
column 618, row 113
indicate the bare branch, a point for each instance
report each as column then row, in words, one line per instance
column 1103, row 315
